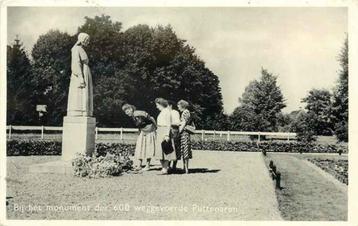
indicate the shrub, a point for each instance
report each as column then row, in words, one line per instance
column 342, row 131
column 115, row 148
column 303, row 125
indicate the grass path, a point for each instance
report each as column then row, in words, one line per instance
column 307, row 194
column 222, row 186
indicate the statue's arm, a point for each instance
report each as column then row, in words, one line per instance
column 76, row 66
column 82, row 59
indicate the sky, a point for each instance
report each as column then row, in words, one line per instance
column 299, row 45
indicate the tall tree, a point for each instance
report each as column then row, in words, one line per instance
column 52, row 70
column 260, row 105
column 105, row 50
column 340, row 97
column 107, row 57
column 134, row 66
column 319, row 107
column 21, row 107
column 154, row 63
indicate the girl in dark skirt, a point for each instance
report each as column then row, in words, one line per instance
column 185, row 143
column 174, row 132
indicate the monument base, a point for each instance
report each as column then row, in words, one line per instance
column 78, row 136
column 55, row 167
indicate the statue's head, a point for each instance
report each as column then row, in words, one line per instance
column 83, row 39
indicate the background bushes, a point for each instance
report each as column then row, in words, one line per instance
column 32, row 147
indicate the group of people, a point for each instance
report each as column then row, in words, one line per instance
column 166, row 139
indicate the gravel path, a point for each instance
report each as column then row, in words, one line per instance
column 221, row 186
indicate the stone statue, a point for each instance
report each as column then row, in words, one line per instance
column 80, row 96
column 79, row 125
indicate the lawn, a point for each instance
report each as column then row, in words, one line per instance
column 307, row 194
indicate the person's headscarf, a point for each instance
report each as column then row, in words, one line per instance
column 81, row 38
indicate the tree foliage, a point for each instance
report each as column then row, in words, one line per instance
column 303, row 124
column 52, row 69
column 21, row 108
column 340, row 97
column 260, row 105
column 135, row 66
column 319, row 107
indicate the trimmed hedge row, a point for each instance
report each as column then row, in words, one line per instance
column 43, row 147
column 36, row 147
column 33, row 147
column 268, row 147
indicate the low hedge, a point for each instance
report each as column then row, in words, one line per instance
column 33, row 147
column 46, row 147
column 36, row 147
column 299, row 147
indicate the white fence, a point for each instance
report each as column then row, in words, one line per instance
column 202, row 133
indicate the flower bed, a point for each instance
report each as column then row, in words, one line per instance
column 101, row 166
column 338, row 168
column 36, row 147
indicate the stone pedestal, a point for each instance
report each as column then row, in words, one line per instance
column 78, row 136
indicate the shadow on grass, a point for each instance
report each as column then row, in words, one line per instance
column 191, row 171
column 195, row 170
column 156, row 169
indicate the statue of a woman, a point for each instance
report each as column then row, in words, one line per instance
column 80, row 96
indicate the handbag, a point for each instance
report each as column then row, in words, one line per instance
column 167, row 147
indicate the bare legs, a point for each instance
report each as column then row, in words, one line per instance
column 186, row 165
column 165, row 165
column 139, row 165
column 147, row 165
column 174, row 164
